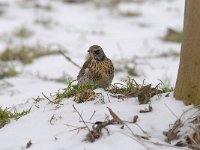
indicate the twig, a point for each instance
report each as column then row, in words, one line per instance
column 52, row 118
column 88, row 122
column 69, row 59
column 92, row 115
column 75, row 127
column 48, row 99
column 152, row 142
column 83, row 121
column 140, row 128
column 115, row 117
column 171, row 111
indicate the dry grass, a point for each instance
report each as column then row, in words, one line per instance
column 79, row 93
column 185, row 132
column 130, row 88
column 193, row 140
column 173, row 36
column 25, row 54
column 170, row 53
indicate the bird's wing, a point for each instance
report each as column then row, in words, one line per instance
column 83, row 69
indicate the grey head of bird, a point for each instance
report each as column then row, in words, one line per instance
column 96, row 53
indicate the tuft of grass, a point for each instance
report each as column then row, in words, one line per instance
column 125, row 88
column 2, row 12
column 128, row 66
column 80, row 93
column 25, row 54
column 45, row 22
column 16, row 115
column 6, row 115
column 171, row 53
column 22, row 32
column 173, row 36
column 185, row 132
column 132, row 71
column 106, row 3
column 130, row 88
column 7, row 71
column 3, row 8
column 46, row 7
column 130, row 14
column 72, row 1
column 193, row 140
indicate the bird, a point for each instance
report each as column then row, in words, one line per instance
column 98, row 69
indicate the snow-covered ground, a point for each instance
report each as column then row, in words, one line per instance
column 135, row 41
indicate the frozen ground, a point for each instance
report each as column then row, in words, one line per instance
column 135, row 41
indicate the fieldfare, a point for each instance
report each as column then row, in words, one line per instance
column 98, row 70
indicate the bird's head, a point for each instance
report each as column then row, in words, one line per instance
column 97, row 53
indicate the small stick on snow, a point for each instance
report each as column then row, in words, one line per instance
column 48, row 99
column 69, row 59
column 75, row 128
column 83, row 121
column 92, row 114
column 171, row 111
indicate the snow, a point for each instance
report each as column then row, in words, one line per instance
column 37, row 128
column 75, row 27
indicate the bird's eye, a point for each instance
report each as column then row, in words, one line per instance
column 97, row 51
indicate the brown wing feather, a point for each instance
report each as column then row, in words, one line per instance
column 82, row 71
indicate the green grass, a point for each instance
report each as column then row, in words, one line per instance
column 16, row 115
column 80, row 93
column 130, row 14
column 6, row 115
column 45, row 22
column 7, row 71
column 22, row 32
column 132, row 71
column 126, row 87
column 25, row 54
column 47, row 7
column 106, row 3
column 127, row 66
column 173, row 36
column 170, row 53
column 130, row 88
column 1, row 12
column 3, row 6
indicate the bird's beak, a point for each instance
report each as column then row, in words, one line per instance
column 89, row 50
